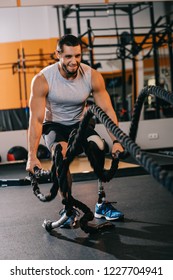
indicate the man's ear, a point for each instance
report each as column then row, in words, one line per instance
column 57, row 54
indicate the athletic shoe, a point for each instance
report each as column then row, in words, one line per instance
column 72, row 220
column 107, row 211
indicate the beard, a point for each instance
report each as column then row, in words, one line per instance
column 68, row 72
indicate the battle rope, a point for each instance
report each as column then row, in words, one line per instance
column 58, row 181
column 161, row 175
column 63, row 164
column 146, row 91
column 83, row 222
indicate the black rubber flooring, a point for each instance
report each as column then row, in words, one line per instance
column 145, row 234
column 15, row 173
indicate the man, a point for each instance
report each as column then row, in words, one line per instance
column 58, row 103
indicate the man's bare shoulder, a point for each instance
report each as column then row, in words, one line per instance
column 39, row 84
column 39, row 80
column 39, row 77
column 97, row 78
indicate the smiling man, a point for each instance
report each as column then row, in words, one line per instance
column 57, row 106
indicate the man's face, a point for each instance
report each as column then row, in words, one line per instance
column 70, row 59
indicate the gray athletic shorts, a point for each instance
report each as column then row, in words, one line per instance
column 56, row 132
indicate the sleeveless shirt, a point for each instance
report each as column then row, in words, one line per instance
column 66, row 99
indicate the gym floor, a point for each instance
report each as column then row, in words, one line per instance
column 145, row 234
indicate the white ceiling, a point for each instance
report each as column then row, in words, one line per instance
column 15, row 3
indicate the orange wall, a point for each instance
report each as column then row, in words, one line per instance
column 35, row 60
column 9, row 82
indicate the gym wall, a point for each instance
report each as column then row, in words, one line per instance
column 29, row 29
column 35, row 31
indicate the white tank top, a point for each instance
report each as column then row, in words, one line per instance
column 66, row 99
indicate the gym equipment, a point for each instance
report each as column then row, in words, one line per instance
column 17, row 153
column 60, row 164
column 62, row 167
column 43, row 152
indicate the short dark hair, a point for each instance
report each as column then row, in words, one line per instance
column 68, row 40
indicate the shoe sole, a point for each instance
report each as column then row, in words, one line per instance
column 99, row 216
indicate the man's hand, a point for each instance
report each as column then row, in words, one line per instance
column 117, row 148
column 31, row 163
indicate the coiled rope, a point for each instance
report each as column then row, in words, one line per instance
column 61, row 165
column 162, row 176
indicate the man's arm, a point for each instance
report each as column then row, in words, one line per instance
column 102, row 99
column 39, row 90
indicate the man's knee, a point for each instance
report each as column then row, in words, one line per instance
column 97, row 140
column 95, row 151
column 60, row 146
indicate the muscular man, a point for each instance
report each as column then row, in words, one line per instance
column 57, row 105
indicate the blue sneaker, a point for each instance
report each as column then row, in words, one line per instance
column 107, row 211
column 72, row 220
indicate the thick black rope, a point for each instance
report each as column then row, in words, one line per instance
column 70, row 202
column 106, row 175
column 161, row 175
column 146, row 91
column 60, row 166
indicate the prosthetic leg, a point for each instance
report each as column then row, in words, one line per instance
column 59, row 176
column 101, row 192
column 69, row 201
column 95, row 151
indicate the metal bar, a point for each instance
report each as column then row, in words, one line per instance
column 170, row 50
column 133, row 61
column 156, row 58
column 90, row 43
column 24, row 75
column 78, row 20
column 58, row 17
column 19, row 76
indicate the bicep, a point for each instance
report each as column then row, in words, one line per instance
column 38, row 99
column 100, row 94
